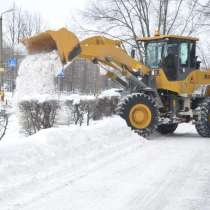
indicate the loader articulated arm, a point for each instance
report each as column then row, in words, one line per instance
column 97, row 49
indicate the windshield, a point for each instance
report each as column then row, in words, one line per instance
column 158, row 52
column 154, row 52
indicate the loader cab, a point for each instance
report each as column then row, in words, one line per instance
column 176, row 55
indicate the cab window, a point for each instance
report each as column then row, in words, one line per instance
column 183, row 54
column 154, row 53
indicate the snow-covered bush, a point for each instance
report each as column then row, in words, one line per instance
column 79, row 110
column 45, row 111
column 83, row 110
column 36, row 115
column 105, row 107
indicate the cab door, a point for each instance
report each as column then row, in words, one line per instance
column 184, row 60
column 170, row 60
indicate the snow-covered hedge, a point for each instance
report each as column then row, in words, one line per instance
column 36, row 115
column 86, row 109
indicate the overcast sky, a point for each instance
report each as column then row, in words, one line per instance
column 56, row 13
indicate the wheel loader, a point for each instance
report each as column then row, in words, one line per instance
column 167, row 89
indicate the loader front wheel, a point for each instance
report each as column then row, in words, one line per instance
column 167, row 128
column 140, row 116
column 140, row 112
column 203, row 124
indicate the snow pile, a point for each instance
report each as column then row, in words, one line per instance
column 110, row 93
column 46, row 154
column 76, row 98
column 36, row 75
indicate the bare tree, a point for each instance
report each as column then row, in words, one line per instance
column 21, row 24
column 205, row 10
column 163, row 13
column 128, row 19
column 120, row 18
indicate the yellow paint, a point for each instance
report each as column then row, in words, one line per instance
column 111, row 75
column 195, row 79
column 1, row 69
column 62, row 40
column 208, row 91
column 140, row 116
column 109, row 52
column 174, row 103
column 159, row 37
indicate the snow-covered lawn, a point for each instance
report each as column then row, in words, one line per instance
column 105, row 166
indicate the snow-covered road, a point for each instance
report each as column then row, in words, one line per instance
column 106, row 167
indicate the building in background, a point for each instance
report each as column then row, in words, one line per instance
column 83, row 76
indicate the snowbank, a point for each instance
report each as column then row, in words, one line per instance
column 110, row 93
column 76, row 98
column 37, row 157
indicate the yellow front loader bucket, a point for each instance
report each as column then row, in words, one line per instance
column 64, row 41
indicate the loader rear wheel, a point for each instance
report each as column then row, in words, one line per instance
column 167, row 128
column 140, row 112
column 203, row 124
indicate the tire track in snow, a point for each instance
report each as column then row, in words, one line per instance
column 175, row 189
column 64, row 177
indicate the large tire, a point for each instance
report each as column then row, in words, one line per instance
column 202, row 125
column 140, row 112
column 167, row 128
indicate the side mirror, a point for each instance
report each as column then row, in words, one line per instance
column 198, row 64
column 133, row 53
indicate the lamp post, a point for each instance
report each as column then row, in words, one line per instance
column 1, row 36
column 1, row 40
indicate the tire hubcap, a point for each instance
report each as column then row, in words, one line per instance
column 140, row 116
